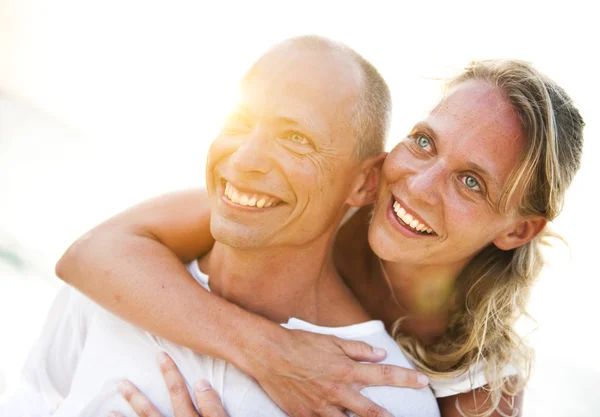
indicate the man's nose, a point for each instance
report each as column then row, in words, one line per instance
column 253, row 153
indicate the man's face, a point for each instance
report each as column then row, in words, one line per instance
column 282, row 167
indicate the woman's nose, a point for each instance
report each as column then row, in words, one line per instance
column 425, row 182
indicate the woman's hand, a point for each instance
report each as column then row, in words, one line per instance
column 207, row 399
column 131, row 265
column 317, row 375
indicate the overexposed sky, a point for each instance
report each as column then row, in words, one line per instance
column 103, row 104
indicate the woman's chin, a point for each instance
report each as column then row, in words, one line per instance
column 383, row 244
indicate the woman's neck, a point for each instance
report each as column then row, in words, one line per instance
column 419, row 294
column 422, row 294
column 420, row 289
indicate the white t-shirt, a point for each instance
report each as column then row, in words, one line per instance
column 84, row 351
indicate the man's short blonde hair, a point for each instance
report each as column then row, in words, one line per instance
column 371, row 114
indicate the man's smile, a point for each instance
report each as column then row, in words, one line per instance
column 248, row 198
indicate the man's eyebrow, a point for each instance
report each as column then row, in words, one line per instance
column 305, row 123
column 243, row 109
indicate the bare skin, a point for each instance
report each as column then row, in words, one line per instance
column 362, row 273
column 122, row 287
column 432, row 173
column 281, row 251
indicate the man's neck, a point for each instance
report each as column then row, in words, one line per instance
column 283, row 282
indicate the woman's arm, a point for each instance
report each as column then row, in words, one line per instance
column 477, row 401
column 132, row 266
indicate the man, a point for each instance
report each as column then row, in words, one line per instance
column 287, row 165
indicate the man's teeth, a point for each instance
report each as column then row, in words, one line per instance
column 248, row 200
column 409, row 220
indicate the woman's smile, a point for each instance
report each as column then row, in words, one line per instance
column 408, row 221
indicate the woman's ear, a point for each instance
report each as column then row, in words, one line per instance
column 365, row 188
column 522, row 232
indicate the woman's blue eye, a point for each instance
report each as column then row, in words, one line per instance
column 422, row 141
column 471, row 182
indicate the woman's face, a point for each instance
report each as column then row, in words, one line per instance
column 439, row 186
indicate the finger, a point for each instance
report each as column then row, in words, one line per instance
column 115, row 414
column 332, row 412
column 137, row 400
column 390, row 375
column 208, row 401
column 361, row 351
column 178, row 392
column 361, row 406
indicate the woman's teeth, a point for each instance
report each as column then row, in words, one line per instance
column 410, row 221
column 248, row 200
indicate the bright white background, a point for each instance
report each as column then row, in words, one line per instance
column 103, row 104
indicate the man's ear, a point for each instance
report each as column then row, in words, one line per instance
column 521, row 233
column 365, row 187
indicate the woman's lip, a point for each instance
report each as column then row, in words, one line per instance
column 412, row 214
column 400, row 226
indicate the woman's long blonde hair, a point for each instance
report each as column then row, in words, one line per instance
column 492, row 291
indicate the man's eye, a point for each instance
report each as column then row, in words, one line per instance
column 423, row 141
column 298, row 138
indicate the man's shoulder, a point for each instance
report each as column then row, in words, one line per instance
column 70, row 301
column 403, row 402
column 371, row 332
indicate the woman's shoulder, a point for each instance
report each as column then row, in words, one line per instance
column 471, row 379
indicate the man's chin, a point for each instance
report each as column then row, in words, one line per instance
column 237, row 236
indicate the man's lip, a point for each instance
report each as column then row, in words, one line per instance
column 236, row 206
column 256, row 196
column 246, row 189
column 403, row 227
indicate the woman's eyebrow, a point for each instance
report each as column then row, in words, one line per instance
column 423, row 125
column 489, row 178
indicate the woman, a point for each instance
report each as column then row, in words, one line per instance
column 446, row 263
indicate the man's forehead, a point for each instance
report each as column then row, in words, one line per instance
column 286, row 106
column 298, row 69
column 298, row 86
